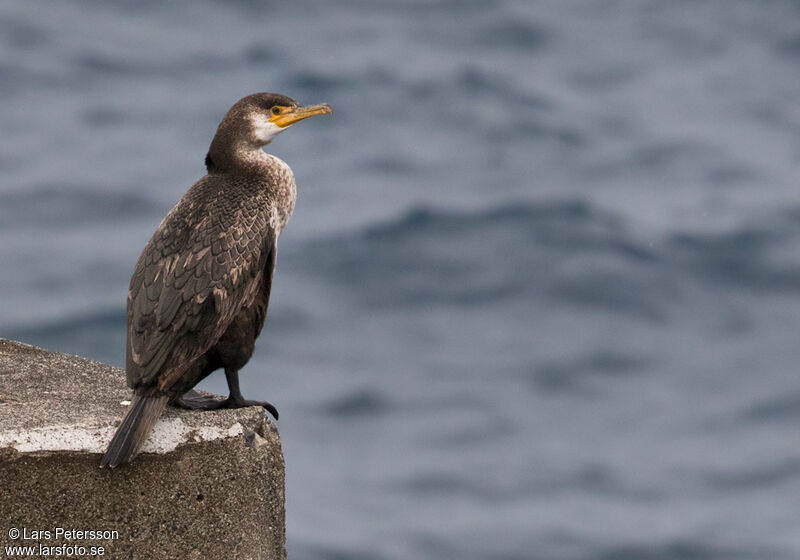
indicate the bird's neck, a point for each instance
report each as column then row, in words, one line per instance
column 236, row 158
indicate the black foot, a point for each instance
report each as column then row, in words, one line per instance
column 193, row 400
column 241, row 403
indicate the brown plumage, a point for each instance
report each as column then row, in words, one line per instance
column 199, row 293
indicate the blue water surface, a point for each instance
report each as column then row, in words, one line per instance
column 540, row 296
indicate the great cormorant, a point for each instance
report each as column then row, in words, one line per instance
column 199, row 293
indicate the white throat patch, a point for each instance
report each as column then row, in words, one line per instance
column 264, row 130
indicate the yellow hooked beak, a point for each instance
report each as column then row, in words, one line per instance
column 284, row 116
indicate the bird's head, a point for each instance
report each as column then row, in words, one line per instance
column 254, row 121
column 265, row 115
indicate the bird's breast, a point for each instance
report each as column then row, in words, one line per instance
column 284, row 192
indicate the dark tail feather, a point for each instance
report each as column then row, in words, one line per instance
column 135, row 428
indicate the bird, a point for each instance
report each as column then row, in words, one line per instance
column 199, row 293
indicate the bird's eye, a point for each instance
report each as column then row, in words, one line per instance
column 276, row 110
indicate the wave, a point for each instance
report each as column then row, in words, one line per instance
column 56, row 206
column 361, row 402
column 99, row 334
column 680, row 549
column 102, row 319
column 744, row 258
column 562, row 251
column 569, row 373
column 784, row 407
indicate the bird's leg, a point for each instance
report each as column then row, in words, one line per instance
column 236, row 400
column 192, row 400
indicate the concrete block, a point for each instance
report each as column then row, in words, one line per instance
column 206, row 485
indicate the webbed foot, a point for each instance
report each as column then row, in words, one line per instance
column 192, row 400
column 240, row 402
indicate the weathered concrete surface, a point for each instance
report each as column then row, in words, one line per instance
column 207, row 484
